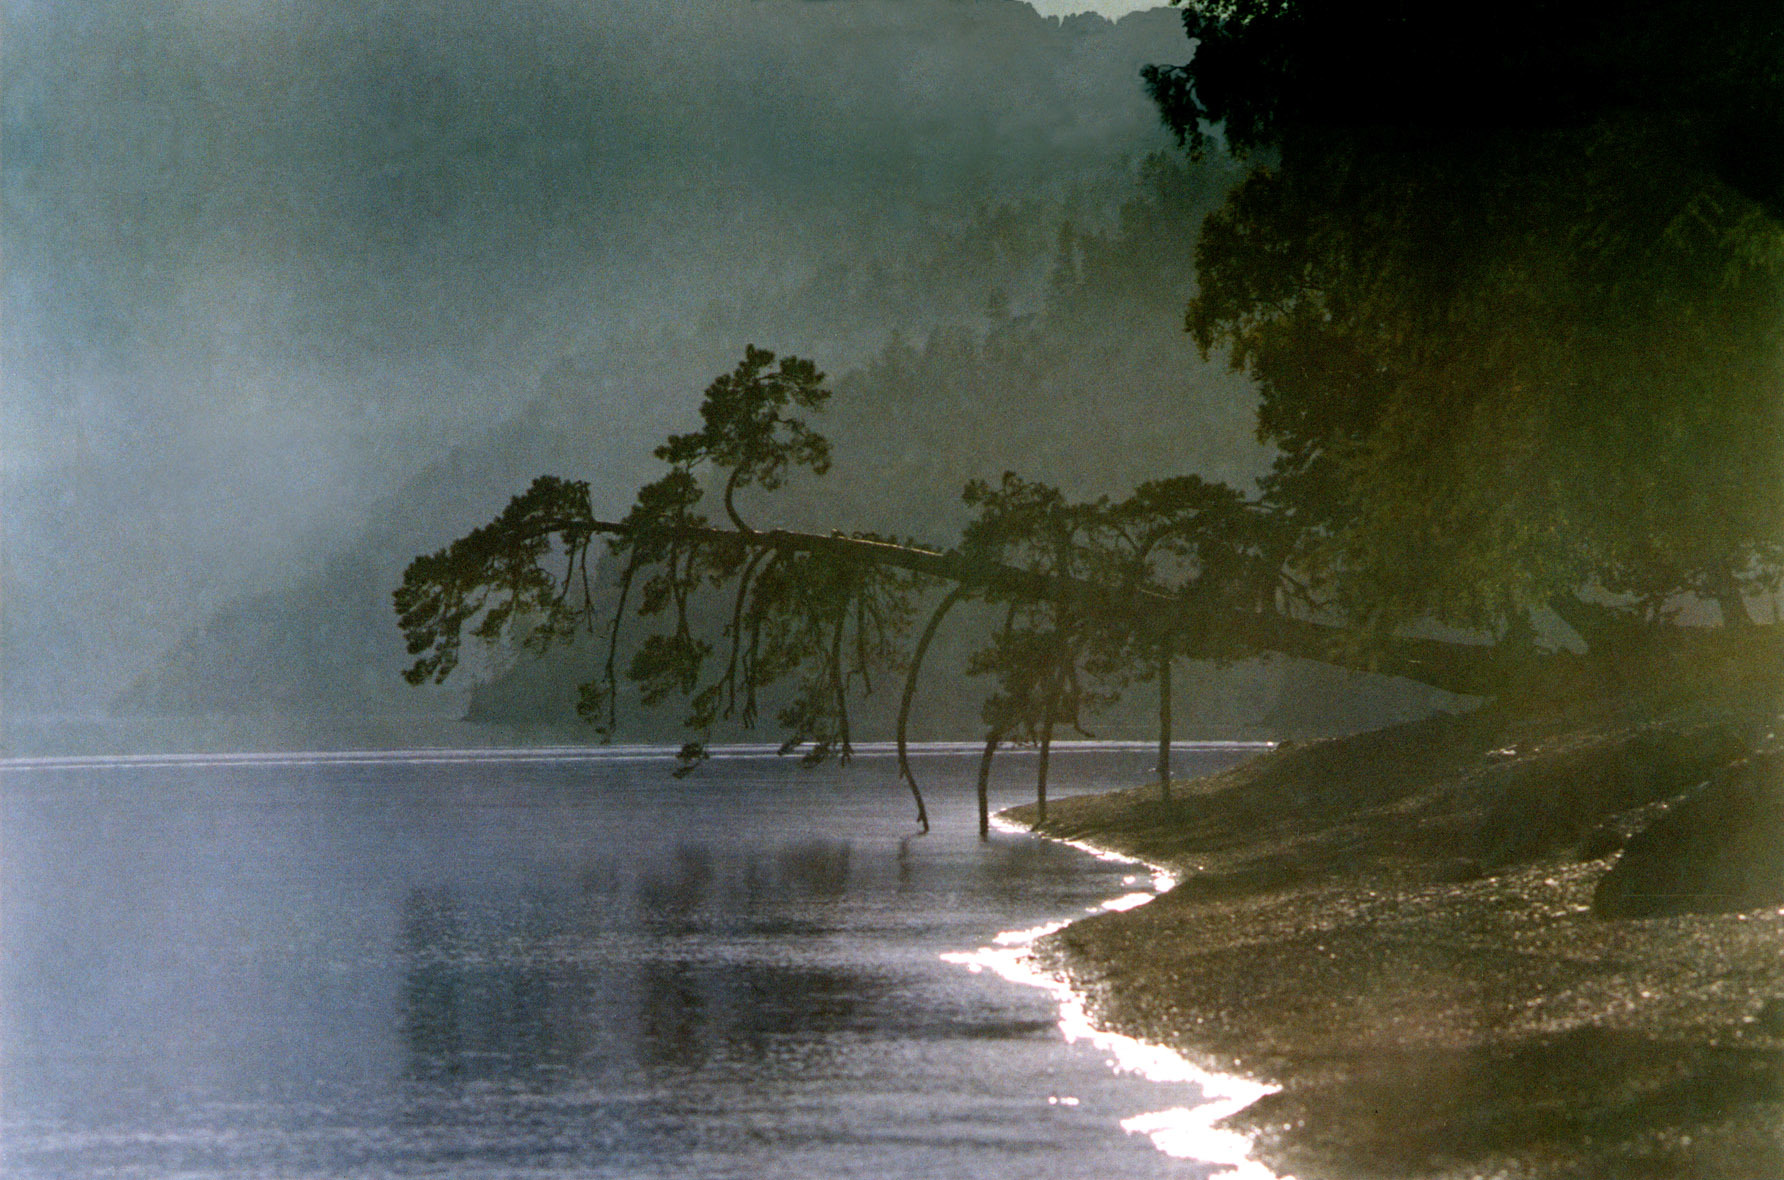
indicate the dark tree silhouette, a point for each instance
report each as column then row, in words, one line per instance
column 1510, row 296
column 1511, row 301
column 1093, row 595
column 1087, row 589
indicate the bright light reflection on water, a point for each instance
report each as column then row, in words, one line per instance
column 1183, row 1132
column 545, row 965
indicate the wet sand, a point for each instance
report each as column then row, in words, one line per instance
column 1399, row 929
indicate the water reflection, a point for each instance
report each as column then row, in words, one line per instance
column 816, row 868
column 670, row 893
column 432, row 937
column 395, row 970
column 672, row 1017
column 677, row 963
column 474, row 1009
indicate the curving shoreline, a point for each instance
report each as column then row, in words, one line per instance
column 1196, row 1133
column 1398, row 930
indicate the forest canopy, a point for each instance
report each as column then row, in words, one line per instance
column 1513, row 303
column 1511, row 296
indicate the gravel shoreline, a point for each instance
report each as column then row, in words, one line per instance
column 1407, row 932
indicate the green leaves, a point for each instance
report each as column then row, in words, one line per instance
column 746, row 430
column 494, row 577
column 1165, row 570
column 811, row 619
column 1513, row 342
column 739, row 621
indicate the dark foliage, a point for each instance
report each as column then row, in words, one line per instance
column 1510, row 295
column 1093, row 593
column 1510, row 303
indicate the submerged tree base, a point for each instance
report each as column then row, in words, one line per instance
column 1408, row 930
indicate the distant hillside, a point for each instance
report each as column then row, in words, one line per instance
column 1040, row 333
column 1096, row 390
column 273, row 260
column 326, row 645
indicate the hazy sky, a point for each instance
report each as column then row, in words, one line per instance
column 263, row 259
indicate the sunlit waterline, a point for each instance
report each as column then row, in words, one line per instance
column 1163, row 879
column 640, row 753
column 1180, row 1132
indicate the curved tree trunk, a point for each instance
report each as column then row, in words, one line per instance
column 991, row 743
column 1164, row 722
column 910, row 692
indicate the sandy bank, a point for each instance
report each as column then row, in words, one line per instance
column 1409, row 932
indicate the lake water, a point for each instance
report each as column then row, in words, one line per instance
column 544, row 964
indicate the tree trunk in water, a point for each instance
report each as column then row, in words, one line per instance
column 991, row 742
column 1040, row 784
column 1164, row 723
column 1730, row 600
column 910, row 692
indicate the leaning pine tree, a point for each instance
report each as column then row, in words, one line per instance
column 1512, row 308
column 1088, row 593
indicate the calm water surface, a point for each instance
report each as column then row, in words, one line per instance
column 548, row 966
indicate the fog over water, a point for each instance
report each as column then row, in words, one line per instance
column 266, row 260
column 538, row 963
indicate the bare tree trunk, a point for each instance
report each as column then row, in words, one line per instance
column 910, row 691
column 1040, row 785
column 1164, row 723
column 991, row 743
column 1730, row 600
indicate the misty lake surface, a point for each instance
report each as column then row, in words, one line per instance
column 545, row 964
